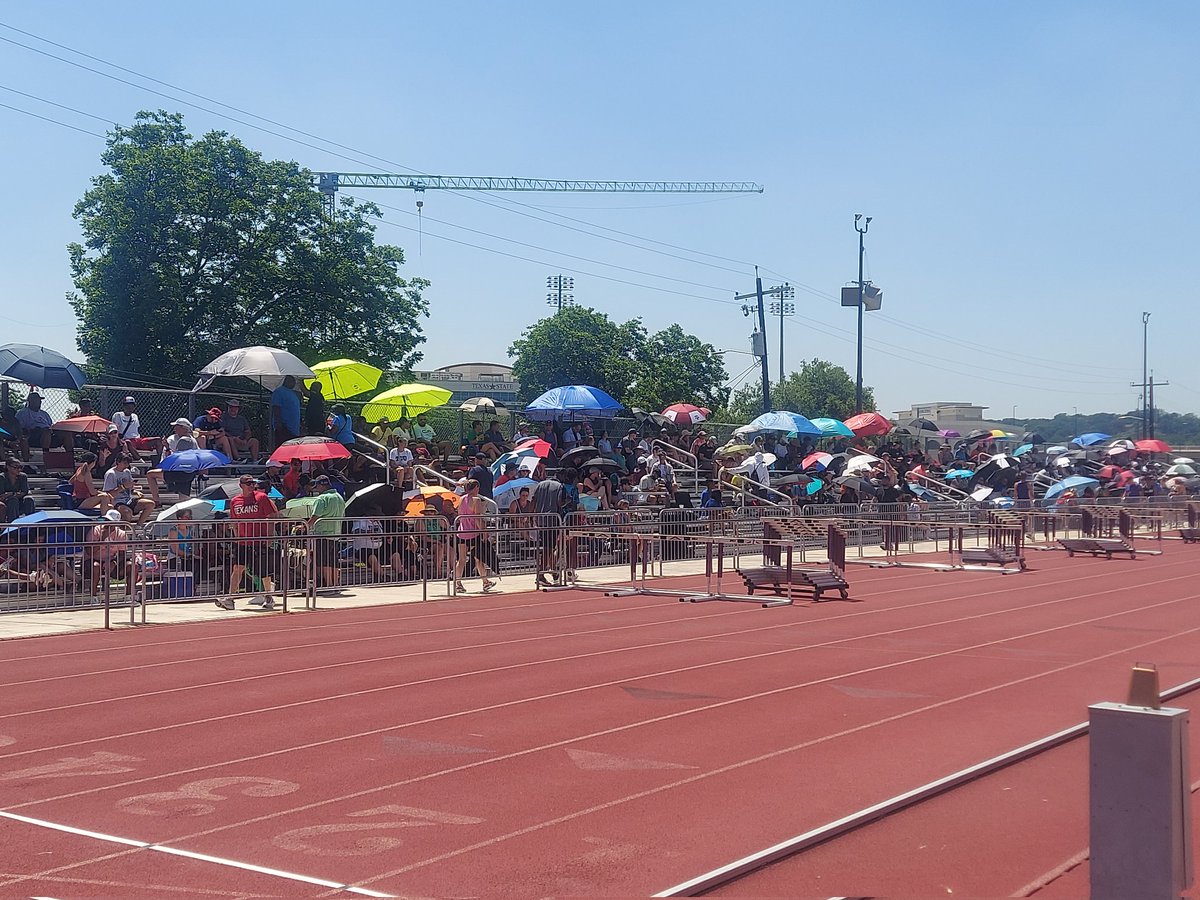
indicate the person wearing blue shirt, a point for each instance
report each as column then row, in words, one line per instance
column 285, row 411
column 341, row 425
column 710, row 497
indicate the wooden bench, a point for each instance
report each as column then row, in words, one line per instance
column 1189, row 535
column 815, row 581
column 1105, row 547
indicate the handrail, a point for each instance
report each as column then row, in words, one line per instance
column 366, row 440
column 941, row 487
column 438, row 476
column 743, row 493
column 673, row 453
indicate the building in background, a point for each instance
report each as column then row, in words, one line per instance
column 474, row 379
column 949, row 416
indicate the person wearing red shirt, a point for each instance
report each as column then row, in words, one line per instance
column 251, row 512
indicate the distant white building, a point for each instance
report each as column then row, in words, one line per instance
column 474, row 379
column 950, row 416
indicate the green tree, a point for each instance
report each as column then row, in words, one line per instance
column 195, row 247
column 577, row 346
column 677, row 367
column 819, row 389
column 581, row 346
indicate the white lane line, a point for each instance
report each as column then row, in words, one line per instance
column 202, row 857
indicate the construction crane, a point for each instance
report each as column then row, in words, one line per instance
column 329, row 182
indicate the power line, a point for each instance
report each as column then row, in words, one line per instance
column 34, row 115
column 563, row 253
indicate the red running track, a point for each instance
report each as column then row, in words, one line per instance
column 567, row 744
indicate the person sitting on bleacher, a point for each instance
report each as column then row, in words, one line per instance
column 36, row 425
column 83, row 491
column 14, row 491
column 237, row 431
column 209, row 432
column 120, row 485
column 181, row 437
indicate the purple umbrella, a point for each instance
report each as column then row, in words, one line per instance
column 949, row 433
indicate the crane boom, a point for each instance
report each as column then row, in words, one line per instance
column 329, row 182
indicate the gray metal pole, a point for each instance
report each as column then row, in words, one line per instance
column 858, row 391
column 762, row 327
column 1145, row 415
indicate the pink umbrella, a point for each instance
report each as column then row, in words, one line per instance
column 866, row 424
column 686, row 414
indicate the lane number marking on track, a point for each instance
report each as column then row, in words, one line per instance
column 98, row 762
column 192, row 798
column 309, row 839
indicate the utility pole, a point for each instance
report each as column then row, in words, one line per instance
column 1151, row 416
column 782, row 307
column 557, row 287
column 1145, row 416
column 780, row 291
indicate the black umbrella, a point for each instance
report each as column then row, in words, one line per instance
column 923, row 425
column 904, row 431
column 574, row 458
column 838, row 462
column 656, row 419
column 376, row 500
column 224, row 490
column 977, row 435
column 998, row 472
column 856, row 483
column 601, row 462
column 1032, row 437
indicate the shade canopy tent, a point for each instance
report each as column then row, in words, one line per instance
column 266, row 365
column 39, row 366
column 581, row 400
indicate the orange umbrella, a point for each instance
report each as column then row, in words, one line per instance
column 83, row 425
column 1153, row 445
column 415, row 505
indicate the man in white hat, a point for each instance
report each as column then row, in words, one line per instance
column 126, row 420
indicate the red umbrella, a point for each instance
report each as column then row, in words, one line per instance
column 818, row 460
column 1107, row 471
column 540, row 448
column 83, row 425
column 312, row 448
column 1153, row 445
column 1124, row 478
column 866, row 424
column 686, row 414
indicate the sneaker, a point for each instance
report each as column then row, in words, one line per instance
column 258, row 601
column 268, row 603
column 488, row 585
column 224, row 602
column 459, row 588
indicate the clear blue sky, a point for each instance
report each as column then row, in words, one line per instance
column 1030, row 167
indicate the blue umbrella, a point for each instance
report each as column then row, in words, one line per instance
column 1023, row 449
column 501, row 494
column 50, row 517
column 4, row 431
column 1074, row 481
column 1003, row 502
column 832, row 427
column 37, row 365
column 922, row 492
column 512, row 456
column 781, row 421
column 959, row 473
column 1090, row 439
column 193, row 461
column 813, row 486
column 573, row 398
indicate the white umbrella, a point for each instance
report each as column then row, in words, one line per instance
column 1183, row 461
column 768, row 459
column 981, row 493
column 860, row 463
column 1122, row 445
column 1181, row 469
column 197, row 506
column 266, row 365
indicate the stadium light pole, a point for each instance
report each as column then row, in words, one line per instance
column 858, row 391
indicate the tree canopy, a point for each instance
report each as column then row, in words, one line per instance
column 195, row 247
column 582, row 346
column 818, row 389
